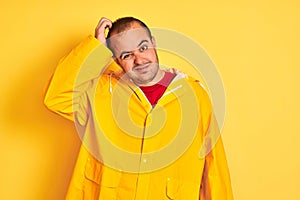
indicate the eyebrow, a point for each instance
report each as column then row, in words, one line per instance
column 142, row 42
column 124, row 52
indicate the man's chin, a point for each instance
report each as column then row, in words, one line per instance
column 144, row 82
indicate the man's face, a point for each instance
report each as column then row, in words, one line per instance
column 135, row 52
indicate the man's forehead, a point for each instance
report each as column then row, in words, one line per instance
column 129, row 39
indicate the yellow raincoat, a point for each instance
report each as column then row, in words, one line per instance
column 130, row 150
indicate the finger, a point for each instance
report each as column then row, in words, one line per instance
column 104, row 22
column 108, row 24
column 103, row 26
column 100, row 22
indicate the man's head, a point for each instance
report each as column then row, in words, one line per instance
column 123, row 24
column 134, row 49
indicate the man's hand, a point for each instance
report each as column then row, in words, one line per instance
column 103, row 24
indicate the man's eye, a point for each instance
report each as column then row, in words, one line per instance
column 125, row 56
column 143, row 48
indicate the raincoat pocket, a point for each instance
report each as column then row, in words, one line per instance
column 93, row 170
column 172, row 188
column 182, row 190
column 98, row 173
column 92, row 178
column 101, row 182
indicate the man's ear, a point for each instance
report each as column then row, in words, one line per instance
column 153, row 41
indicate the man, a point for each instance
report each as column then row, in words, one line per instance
column 142, row 126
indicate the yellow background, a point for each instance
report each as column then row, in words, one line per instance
column 255, row 45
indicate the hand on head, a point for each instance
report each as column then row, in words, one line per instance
column 103, row 24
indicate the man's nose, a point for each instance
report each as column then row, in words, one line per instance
column 139, row 58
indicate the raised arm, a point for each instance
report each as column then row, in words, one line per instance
column 61, row 90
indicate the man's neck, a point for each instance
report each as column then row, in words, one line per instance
column 160, row 74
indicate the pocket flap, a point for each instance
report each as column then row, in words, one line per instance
column 98, row 173
column 172, row 188
column 93, row 169
column 182, row 189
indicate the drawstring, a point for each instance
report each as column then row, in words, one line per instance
column 110, row 83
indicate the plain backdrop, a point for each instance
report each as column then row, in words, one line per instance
column 254, row 44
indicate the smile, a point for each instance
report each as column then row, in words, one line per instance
column 142, row 68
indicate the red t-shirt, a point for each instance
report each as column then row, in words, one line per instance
column 154, row 92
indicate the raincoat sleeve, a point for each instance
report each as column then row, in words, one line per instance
column 216, row 184
column 61, row 91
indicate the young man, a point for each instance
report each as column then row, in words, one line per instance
column 142, row 126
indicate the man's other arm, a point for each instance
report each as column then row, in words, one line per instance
column 216, row 184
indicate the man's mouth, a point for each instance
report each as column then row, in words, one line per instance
column 141, row 68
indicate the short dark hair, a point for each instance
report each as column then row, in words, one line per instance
column 122, row 24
